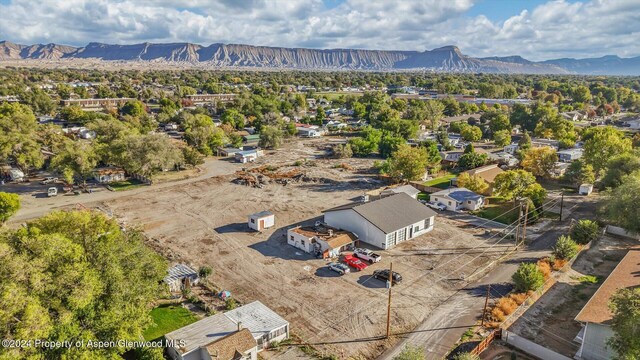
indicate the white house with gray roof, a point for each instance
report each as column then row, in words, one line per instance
column 458, row 198
column 192, row 341
column 384, row 222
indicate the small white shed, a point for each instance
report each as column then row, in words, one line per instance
column 585, row 189
column 262, row 220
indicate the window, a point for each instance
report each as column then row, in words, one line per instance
column 416, row 229
column 302, row 242
column 253, row 221
column 291, row 237
column 402, row 235
column 391, row 240
column 449, row 203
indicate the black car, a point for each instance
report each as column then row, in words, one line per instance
column 384, row 276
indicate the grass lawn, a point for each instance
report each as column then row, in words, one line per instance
column 332, row 95
column 423, row 196
column 126, row 185
column 168, row 318
column 496, row 208
column 441, row 182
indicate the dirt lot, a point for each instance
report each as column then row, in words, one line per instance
column 550, row 322
column 204, row 222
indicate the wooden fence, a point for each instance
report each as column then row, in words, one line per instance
column 426, row 189
column 484, row 344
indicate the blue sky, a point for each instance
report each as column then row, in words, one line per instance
column 535, row 29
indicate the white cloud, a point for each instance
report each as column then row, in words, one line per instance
column 554, row 29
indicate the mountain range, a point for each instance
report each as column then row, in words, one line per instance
column 444, row 59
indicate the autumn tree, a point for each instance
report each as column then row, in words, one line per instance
column 540, row 161
column 474, row 183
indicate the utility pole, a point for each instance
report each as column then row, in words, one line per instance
column 519, row 227
column 389, row 302
column 561, row 204
column 486, row 302
column 526, row 216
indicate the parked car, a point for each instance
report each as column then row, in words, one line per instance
column 354, row 262
column 436, row 205
column 367, row 255
column 339, row 268
column 384, row 276
column 52, row 191
column 49, row 180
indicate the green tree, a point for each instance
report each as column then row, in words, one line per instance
column 133, row 108
column 407, row 163
column 497, row 120
column 618, row 167
column 271, row 137
column 603, row 143
column 433, row 112
column 565, row 248
column 621, row 204
column 148, row 154
column 472, row 160
column 9, row 205
column 192, row 156
column 528, row 278
column 471, row 133
column 540, row 161
column 581, row 94
column 205, row 271
column 79, row 157
column 342, row 151
column 201, row 133
column 502, row 138
column 73, row 114
column 93, row 281
column 320, row 115
column 410, row 352
column 233, row 117
column 579, row 173
column 585, row 231
column 625, row 307
column 513, row 184
column 466, row 356
column 389, row 145
column 19, row 137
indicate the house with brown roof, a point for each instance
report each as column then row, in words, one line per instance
column 321, row 240
column 488, row 173
column 239, row 345
column 596, row 317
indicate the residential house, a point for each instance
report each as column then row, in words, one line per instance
column 228, row 151
column 487, row 173
column 569, row 155
column 585, row 189
column 181, row 277
column 306, row 130
column 251, row 139
column 201, row 99
column 109, row 174
column 451, row 157
column 384, row 222
column 198, row 340
column 96, row 104
column 261, row 220
column 538, row 142
column 458, row 198
column 574, row 115
column 504, row 158
column 512, row 148
column 321, row 240
column 407, row 189
column 596, row 316
column 16, row 175
column 559, row 169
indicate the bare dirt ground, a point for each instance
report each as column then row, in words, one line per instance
column 204, row 222
column 550, row 322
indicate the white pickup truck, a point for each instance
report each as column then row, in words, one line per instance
column 367, row 255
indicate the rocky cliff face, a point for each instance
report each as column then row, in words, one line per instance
column 444, row 59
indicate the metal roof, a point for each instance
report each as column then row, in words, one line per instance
column 261, row 214
column 407, row 189
column 459, row 194
column 256, row 317
column 178, row 272
column 390, row 213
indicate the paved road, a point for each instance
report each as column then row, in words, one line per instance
column 441, row 330
column 34, row 205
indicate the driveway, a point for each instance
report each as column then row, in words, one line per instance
column 474, row 221
column 443, row 328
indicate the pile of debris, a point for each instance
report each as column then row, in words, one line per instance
column 260, row 176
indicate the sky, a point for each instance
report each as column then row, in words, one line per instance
column 534, row 29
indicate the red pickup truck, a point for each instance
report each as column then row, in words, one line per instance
column 354, row 262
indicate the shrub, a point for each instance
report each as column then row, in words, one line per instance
column 519, row 298
column 466, row 356
column 528, row 278
column 545, row 268
column 584, row 231
column 507, row 305
column 411, row 353
column 498, row 314
column 230, row 304
column 205, row 271
column 565, row 248
column 559, row 264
